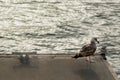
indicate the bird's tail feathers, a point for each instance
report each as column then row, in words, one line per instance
column 80, row 55
column 77, row 56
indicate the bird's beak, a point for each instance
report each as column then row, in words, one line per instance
column 98, row 42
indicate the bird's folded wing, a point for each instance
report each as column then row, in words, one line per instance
column 86, row 48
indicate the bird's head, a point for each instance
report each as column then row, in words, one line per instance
column 94, row 40
column 23, row 55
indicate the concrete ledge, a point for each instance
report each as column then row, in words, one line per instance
column 55, row 67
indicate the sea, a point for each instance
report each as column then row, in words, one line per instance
column 60, row 26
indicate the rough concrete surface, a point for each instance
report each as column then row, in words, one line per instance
column 55, row 68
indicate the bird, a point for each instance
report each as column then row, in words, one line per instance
column 24, row 59
column 103, row 52
column 88, row 49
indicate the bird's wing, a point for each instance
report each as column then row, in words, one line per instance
column 87, row 49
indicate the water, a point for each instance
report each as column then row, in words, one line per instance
column 55, row 26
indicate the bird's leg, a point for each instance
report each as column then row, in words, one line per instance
column 87, row 58
column 91, row 60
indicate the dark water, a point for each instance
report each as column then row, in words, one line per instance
column 59, row 26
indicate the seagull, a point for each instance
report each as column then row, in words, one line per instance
column 88, row 49
column 103, row 52
column 24, row 59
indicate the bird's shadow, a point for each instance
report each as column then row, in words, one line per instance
column 87, row 74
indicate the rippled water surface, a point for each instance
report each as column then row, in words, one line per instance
column 59, row 26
